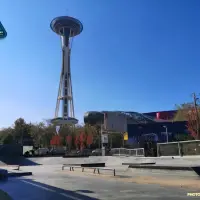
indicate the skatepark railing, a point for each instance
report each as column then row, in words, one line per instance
column 181, row 148
column 95, row 169
column 138, row 152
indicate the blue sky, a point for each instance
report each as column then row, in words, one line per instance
column 134, row 55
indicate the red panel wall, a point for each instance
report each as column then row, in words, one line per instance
column 165, row 115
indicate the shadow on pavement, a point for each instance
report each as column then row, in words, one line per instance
column 13, row 160
column 23, row 189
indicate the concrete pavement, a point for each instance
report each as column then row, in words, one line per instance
column 62, row 187
column 50, row 182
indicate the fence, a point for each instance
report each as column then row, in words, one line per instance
column 181, row 148
column 139, row 152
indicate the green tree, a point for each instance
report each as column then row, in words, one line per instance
column 21, row 130
column 7, row 136
column 115, row 140
column 37, row 132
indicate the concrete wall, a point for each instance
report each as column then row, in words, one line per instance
column 11, row 150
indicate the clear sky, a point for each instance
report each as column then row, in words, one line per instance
column 133, row 55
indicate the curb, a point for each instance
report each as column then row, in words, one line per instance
column 138, row 164
column 13, row 174
column 161, row 167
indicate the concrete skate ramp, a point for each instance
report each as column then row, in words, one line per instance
column 108, row 160
column 111, row 160
column 176, row 161
column 61, row 160
column 16, row 160
column 171, row 161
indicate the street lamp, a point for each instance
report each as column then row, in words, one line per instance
column 102, row 141
column 166, row 132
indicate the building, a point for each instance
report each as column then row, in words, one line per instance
column 164, row 115
column 157, row 132
column 156, row 126
column 116, row 121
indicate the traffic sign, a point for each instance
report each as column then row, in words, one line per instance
column 104, row 138
column 57, row 129
column 125, row 136
column 3, row 32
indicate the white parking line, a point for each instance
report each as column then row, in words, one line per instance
column 45, row 188
column 69, row 196
column 39, row 186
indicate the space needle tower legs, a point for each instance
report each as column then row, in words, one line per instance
column 65, row 87
column 67, row 28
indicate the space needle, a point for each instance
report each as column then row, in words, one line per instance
column 67, row 28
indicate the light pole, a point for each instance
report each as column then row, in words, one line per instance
column 102, row 142
column 197, row 114
column 166, row 132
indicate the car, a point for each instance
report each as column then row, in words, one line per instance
column 84, row 152
column 96, row 152
column 58, row 151
column 42, row 151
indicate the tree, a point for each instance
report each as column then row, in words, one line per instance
column 182, row 110
column 41, row 134
column 7, row 136
column 37, row 132
column 89, row 139
column 49, row 132
column 64, row 132
column 69, row 141
column 187, row 112
column 193, row 124
column 21, row 130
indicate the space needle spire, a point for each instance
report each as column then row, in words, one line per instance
column 67, row 27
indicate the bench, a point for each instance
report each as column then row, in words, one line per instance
column 71, row 168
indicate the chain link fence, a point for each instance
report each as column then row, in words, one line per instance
column 138, row 152
column 181, row 148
